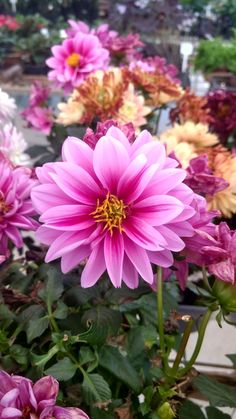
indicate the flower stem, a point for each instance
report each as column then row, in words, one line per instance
column 201, row 334
column 182, row 346
column 160, row 319
column 52, row 319
column 205, row 280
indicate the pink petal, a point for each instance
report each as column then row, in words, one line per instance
column 143, row 138
column 11, row 412
column 130, row 274
column 94, row 267
column 174, row 242
column 70, row 260
column 159, row 209
column 163, row 258
column 78, row 152
column 143, row 234
column 110, row 161
column 67, row 242
column 114, row 255
column 47, row 196
column 139, row 258
column 117, row 134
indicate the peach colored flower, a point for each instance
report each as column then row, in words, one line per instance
column 72, row 111
column 223, row 164
column 186, row 139
column 133, row 108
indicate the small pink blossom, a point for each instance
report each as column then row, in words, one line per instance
column 221, row 258
column 75, row 59
column 156, row 64
column 39, row 94
column 41, row 119
column 16, row 208
column 91, row 137
column 122, row 205
column 201, row 178
column 20, row 398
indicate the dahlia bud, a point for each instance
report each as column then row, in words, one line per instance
column 225, row 293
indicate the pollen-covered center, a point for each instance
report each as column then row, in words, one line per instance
column 73, row 60
column 4, row 207
column 111, row 212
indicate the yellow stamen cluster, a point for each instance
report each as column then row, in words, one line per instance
column 73, row 60
column 4, row 207
column 112, row 212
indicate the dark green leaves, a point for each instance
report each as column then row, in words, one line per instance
column 119, row 365
column 218, row 394
column 53, row 288
column 63, row 370
column 193, row 411
column 95, row 389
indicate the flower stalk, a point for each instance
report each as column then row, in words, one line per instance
column 160, row 319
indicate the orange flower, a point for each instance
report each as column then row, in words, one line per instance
column 191, row 107
column 223, row 164
column 102, row 95
column 159, row 87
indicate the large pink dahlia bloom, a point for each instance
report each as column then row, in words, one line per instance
column 15, row 204
column 75, row 59
column 122, row 205
column 20, row 398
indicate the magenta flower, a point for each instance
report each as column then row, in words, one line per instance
column 20, row 398
column 39, row 94
column 221, row 105
column 75, row 59
column 196, row 245
column 201, row 179
column 15, row 205
column 155, row 64
column 91, row 137
column 39, row 118
column 121, row 205
column 221, row 258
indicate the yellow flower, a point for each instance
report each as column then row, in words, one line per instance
column 223, row 164
column 133, row 108
column 70, row 112
column 186, row 139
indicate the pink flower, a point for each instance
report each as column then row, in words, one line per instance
column 121, row 205
column 76, row 27
column 201, row 178
column 75, row 59
column 222, row 257
column 91, row 137
column 20, row 398
column 15, row 205
column 41, row 119
column 156, row 64
column 39, row 94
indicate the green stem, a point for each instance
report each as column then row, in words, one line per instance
column 201, row 334
column 182, row 346
column 85, row 375
column 160, row 319
column 205, row 280
column 52, row 319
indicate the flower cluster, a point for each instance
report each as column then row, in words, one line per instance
column 9, row 22
column 221, row 106
column 105, row 94
column 191, row 107
column 20, row 398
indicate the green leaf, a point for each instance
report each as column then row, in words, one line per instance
column 119, row 365
column 41, row 360
column 190, row 410
column 232, row 358
column 30, row 313
column 19, row 354
column 218, row 394
column 61, row 311
column 35, row 328
column 63, row 370
column 104, row 320
column 95, row 389
column 214, row 413
column 96, row 413
column 6, row 315
column 53, row 288
column 36, row 150
column 86, row 355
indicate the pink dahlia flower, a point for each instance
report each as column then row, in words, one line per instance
column 75, row 59
column 39, row 94
column 15, row 205
column 121, row 205
column 41, row 119
column 20, row 398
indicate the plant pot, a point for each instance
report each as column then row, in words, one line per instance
column 222, row 78
column 12, row 59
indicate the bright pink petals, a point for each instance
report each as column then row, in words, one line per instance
column 120, row 206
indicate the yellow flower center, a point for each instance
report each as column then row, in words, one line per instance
column 4, row 207
column 112, row 212
column 73, row 60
